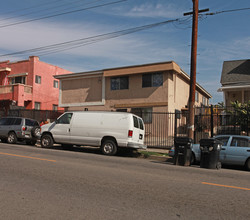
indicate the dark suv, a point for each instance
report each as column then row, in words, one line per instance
column 13, row 129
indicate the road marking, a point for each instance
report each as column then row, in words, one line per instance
column 35, row 158
column 234, row 187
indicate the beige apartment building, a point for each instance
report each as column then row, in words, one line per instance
column 149, row 90
column 155, row 87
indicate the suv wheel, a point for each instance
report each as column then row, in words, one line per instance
column 47, row 141
column 12, row 139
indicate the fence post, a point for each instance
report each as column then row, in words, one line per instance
column 248, row 120
column 212, row 121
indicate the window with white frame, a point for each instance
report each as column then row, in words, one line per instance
column 37, row 105
column 38, row 79
column 196, row 96
column 204, row 101
column 18, row 79
column 55, row 107
column 56, row 84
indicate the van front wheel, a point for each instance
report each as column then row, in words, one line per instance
column 47, row 141
column 109, row 147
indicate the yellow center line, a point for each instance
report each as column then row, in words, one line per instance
column 234, row 187
column 35, row 158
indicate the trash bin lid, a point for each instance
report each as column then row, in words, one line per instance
column 183, row 140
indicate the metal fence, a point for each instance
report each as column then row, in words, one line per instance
column 161, row 128
column 39, row 115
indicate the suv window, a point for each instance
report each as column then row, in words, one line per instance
column 29, row 122
column 7, row 121
column 136, row 124
column 17, row 121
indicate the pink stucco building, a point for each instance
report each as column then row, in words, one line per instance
column 29, row 84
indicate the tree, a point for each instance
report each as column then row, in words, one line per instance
column 241, row 111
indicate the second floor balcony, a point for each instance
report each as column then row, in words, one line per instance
column 16, row 92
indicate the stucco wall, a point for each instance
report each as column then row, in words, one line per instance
column 44, row 93
column 82, row 90
column 136, row 95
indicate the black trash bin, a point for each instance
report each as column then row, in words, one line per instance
column 183, row 152
column 210, row 153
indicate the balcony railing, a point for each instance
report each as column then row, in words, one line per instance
column 10, row 88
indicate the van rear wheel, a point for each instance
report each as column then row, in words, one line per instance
column 109, row 147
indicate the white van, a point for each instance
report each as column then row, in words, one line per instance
column 109, row 130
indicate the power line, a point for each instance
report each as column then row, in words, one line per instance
column 63, row 13
column 27, row 8
column 55, row 48
column 49, row 8
column 227, row 11
column 88, row 40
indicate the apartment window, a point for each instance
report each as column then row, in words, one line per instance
column 144, row 113
column 152, row 80
column 37, row 105
column 119, row 83
column 55, row 107
column 204, row 101
column 56, row 83
column 19, row 79
column 196, row 96
column 38, row 79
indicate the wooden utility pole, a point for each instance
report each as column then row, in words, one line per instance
column 193, row 69
column 191, row 102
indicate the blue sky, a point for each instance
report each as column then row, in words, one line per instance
column 224, row 36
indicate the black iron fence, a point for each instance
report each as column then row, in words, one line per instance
column 161, row 128
column 39, row 115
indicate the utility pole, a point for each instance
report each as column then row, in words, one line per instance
column 191, row 101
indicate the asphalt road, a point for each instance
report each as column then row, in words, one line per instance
column 53, row 184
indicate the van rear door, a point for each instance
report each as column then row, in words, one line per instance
column 138, row 131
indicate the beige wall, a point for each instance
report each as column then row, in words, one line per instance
column 136, row 96
column 81, row 90
column 93, row 91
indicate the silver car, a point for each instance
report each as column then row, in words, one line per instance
column 13, row 129
column 235, row 150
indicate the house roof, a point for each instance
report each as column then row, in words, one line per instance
column 236, row 73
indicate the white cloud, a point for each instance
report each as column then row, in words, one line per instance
column 157, row 10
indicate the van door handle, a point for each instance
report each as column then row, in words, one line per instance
column 69, row 130
column 223, row 148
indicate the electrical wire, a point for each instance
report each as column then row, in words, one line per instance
column 49, row 8
column 63, row 13
column 54, row 48
column 226, row 11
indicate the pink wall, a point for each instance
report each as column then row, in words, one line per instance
column 44, row 93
